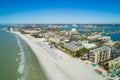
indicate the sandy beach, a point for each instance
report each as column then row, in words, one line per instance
column 57, row 65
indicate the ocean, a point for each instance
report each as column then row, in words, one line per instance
column 17, row 60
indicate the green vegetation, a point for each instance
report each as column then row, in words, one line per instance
column 78, row 53
column 84, row 38
column 69, row 51
column 23, row 32
column 116, row 49
column 52, row 29
column 109, row 79
column 98, row 71
column 106, row 66
column 66, row 50
column 119, row 73
column 81, row 52
column 37, row 36
column 117, row 45
column 55, row 44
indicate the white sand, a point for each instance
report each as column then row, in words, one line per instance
column 57, row 64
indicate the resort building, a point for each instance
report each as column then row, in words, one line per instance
column 100, row 54
column 66, row 40
column 94, row 37
column 115, row 64
column 88, row 45
column 73, row 46
column 31, row 31
column 73, row 30
column 74, row 25
column 105, row 38
column 109, row 43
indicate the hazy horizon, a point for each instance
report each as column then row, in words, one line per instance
column 60, row 12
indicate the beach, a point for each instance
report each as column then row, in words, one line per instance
column 58, row 65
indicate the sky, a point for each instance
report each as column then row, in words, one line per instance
column 60, row 11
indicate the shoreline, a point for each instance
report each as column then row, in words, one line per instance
column 41, row 65
column 59, row 66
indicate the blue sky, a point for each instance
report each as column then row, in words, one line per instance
column 60, row 11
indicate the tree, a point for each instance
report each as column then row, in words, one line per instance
column 81, row 52
column 117, row 45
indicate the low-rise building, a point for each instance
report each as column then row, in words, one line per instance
column 56, row 40
column 73, row 30
column 49, row 34
column 72, row 46
column 100, row 54
column 94, row 37
column 31, row 31
column 105, row 38
column 12, row 28
column 88, row 45
column 66, row 40
column 109, row 43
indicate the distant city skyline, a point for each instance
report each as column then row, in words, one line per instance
column 60, row 12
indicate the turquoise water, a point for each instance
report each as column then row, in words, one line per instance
column 114, row 37
column 114, row 72
column 93, row 64
column 17, row 61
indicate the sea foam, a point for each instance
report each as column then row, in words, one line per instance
column 21, row 59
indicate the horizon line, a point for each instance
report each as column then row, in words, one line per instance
column 59, row 23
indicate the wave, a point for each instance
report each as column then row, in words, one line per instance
column 16, row 59
column 21, row 68
column 24, row 76
column 22, row 57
